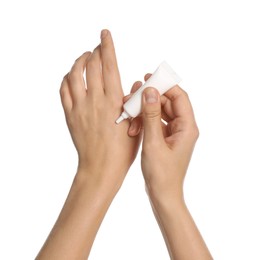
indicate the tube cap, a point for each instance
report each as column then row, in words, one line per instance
column 123, row 116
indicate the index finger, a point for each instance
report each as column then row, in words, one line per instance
column 111, row 76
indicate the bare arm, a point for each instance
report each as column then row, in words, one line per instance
column 182, row 237
column 166, row 152
column 91, row 109
column 77, row 225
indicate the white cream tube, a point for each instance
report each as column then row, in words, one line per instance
column 162, row 79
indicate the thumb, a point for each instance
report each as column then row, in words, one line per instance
column 151, row 108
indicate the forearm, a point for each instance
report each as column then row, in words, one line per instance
column 74, row 232
column 180, row 232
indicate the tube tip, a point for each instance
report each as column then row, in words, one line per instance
column 123, row 116
column 119, row 120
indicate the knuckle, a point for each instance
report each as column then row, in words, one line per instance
column 73, row 74
column 61, row 92
column 152, row 114
column 65, row 79
column 182, row 91
column 179, row 91
column 109, row 66
column 92, row 64
column 117, row 103
column 62, row 89
column 77, row 118
column 185, row 93
column 194, row 131
column 197, row 133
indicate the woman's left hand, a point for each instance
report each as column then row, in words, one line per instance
column 105, row 150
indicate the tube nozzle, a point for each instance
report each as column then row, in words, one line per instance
column 123, row 116
column 119, row 120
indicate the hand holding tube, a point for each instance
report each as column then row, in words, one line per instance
column 167, row 147
column 166, row 151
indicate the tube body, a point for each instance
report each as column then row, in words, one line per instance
column 162, row 79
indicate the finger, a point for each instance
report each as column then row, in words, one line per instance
column 94, row 73
column 76, row 79
column 147, row 76
column 184, row 120
column 134, row 88
column 135, row 126
column 167, row 111
column 164, row 116
column 65, row 95
column 111, row 76
column 127, row 97
column 151, row 108
column 180, row 103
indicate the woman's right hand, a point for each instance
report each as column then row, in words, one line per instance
column 167, row 146
column 166, row 152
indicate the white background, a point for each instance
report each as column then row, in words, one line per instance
column 210, row 44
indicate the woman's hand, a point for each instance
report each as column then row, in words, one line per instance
column 91, row 109
column 166, row 152
column 105, row 151
column 167, row 146
column 170, row 133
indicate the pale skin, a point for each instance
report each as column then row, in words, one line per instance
column 91, row 107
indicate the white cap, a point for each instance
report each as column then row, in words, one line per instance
column 123, row 116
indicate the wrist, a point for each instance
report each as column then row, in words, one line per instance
column 161, row 191
column 168, row 209
column 97, row 182
column 165, row 199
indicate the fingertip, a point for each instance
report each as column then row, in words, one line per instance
column 135, row 127
column 97, row 48
column 106, row 39
column 107, row 45
column 151, row 95
column 136, row 86
column 133, row 132
column 104, row 33
column 127, row 97
column 80, row 62
column 147, row 76
column 86, row 53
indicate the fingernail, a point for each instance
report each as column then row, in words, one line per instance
column 151, row 96
column 104, row 33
